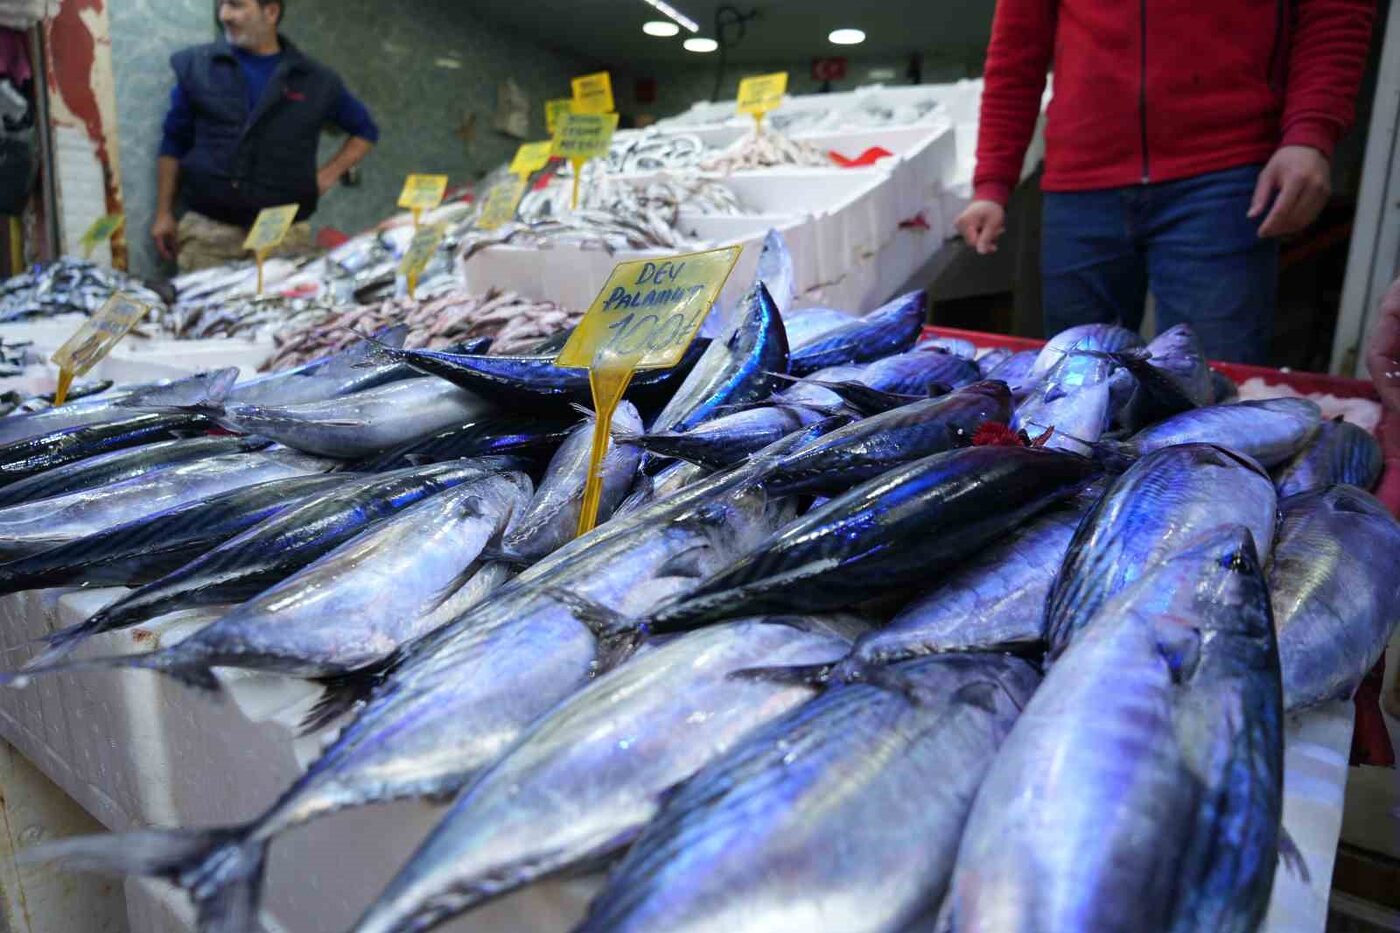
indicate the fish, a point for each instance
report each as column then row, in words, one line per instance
column 844, row 814
column 31, row 527
column 500, row 666
column 146, row 548
column 647, row 489
column 957, row 346
column 116, row 405
column 1103, row 338
column 1340, row 453
column 1072, row 403
column 1335, row 586
column 265, row 554
column 124, row 464
column 1171, row 375
column 552, row 516
column 585, row 780
column 723, row 441
column 1015, row 371
column 737, row 367
column 551, row 345
column 891, row 531
column 1223, row 387
column 365, row 423
column 362, row 601
column 342, row 373
column 918, row 373
column 869, row 447
column 803, row 325
column 889, row 329
column 991, row 359
column 32, row 456
column 533, row 384
column 1154, row 739
column 493, row 435
column 1165, row 502
column 1270, row 432
column 776, row 273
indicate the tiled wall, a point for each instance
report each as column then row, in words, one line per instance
column 423, row 69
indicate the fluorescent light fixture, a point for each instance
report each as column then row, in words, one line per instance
column 846, row 37
column 451, row 64
column 700, row 45
column 882, row 74
column 670, row 12
column 660, row 28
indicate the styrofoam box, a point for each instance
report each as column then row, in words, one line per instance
column 136, row 749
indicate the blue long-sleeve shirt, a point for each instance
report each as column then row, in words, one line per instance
column 349, row 113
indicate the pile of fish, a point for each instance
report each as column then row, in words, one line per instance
column 766, row 148
column 514, row 323
column 67, row 286
column 872, row 633
column 652, row 151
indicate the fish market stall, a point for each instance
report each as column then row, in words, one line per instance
column 348, row 657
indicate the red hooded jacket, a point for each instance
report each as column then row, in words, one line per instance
column 1156, row 90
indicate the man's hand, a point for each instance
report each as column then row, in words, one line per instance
column 1303, row 179
column 1383, row 352
column 165, row 231
column 980, row 225
column 327, row 178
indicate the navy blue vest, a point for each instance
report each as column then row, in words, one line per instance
column 242, row 162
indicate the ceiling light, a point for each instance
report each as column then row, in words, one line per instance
column 700, row 45
column 846, row 37
column 670, row 12
column 660, row 28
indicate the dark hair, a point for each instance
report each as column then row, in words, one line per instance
column 281, row 8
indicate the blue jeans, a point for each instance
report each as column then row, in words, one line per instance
column 1187, row 241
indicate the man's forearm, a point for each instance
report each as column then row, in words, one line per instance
column 349, row 156
column 167, row 184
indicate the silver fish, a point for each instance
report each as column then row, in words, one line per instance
column 1167, row 501
column 1152, row 741
column 648, row 489
column 805, row 325
column 1103, row 338
column 1335, row 585
column 843, row 815
column 1341, row 453
column 1269, row 431
column 1073, row 402
column 586, row 778
column 364, row 423
column 552, row 516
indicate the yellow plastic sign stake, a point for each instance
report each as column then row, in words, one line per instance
column 422, row 193
column 761, row 94
column 554, row 109
column 593, row 93
column 580, row 137
column 644, row 318
column 421, row 251
column 102, row 230
column 531, row 157
column 95, row 339
column 502, row 203
column 268, row 231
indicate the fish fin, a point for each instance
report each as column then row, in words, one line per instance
column 1291, row 857
column 342, row 693
column 377, row 351
column 685, row 564
column 391, row 335
column 786, row 377
column 601, row 620
column 587, row 413
column 1180, row 647
column 220, row 869
column 616, row 647
column 1113, row 456
column 503, row 555
column 981, row 694
column 220, row 386
column 798, row 675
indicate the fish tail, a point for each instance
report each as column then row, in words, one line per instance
column 342, row 693
column 1112, row 456
column 191, row 671
column 802, row 675
column 376, row 351
column 221, row 869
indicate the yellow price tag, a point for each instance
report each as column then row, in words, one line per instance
column 531, row 157
column 593, row 93
column 554, row 109
column 95, row 339
column 583, row 135
column 422, row 192
column 421, row 250
column 761, row 94
column 502, row 203
column 102, row 230
column 644, row 318
column 270, row 228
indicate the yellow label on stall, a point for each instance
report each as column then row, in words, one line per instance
column 422, row 192
column 554, row 109
column 593, row 93
column 99, row 334
column 583, row 135
column 650, row 309
column 531, row 157
column 102, row 230
column 270, row 228
column 502, row 203
column 644, row 318
column 761, row 94
column 421, row 250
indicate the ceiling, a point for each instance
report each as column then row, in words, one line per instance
column 610, row 31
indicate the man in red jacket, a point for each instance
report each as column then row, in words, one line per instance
column 1183, row 137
